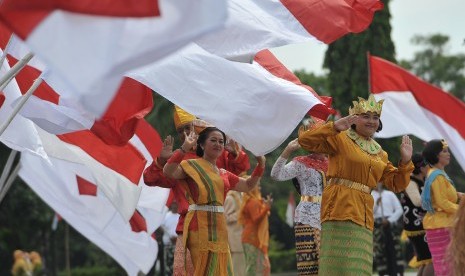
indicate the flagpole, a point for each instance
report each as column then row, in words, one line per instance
column 10, row 181
column 7, row 168
column 16, row 68
column 5, row 51
column 21, row 103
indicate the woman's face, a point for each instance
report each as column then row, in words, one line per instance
column 444, row 157
column 214, row 144
column 367, row 124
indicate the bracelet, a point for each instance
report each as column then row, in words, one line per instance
column 177, row 157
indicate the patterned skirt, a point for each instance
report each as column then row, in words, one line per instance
column 438, row 241
column 346, row 249
column 307, row 245
column 256, row 263
column 387, row 249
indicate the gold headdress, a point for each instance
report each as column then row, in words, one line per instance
column 364, row 106
column 182, row 117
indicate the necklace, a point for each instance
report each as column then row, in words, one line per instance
column 367, row 145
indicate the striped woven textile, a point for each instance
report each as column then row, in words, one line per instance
column 346, row 249
column 307, row 245
column 438, row 241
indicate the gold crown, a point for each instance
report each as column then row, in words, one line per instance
column 364, row 106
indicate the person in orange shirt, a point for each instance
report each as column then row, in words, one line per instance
column 439, row 199
column 255, row 236
column 356, row 164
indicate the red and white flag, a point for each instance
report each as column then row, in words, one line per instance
column 249, row 102
column 70, row 189
column 69, row 183
column 290, row 210
column 255, row 25
column 90, row 50
column 21, row 134
column 413, row 106
column 54, row 109
column 56, row 218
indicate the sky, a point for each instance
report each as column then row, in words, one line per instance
column 408, row 18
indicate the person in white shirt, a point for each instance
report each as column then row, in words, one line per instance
column 169, row 237
column 387, row 250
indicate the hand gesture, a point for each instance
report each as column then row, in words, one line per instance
column 345, row 122
column 167, row 148
column 261, row 160
column 293, row 145
column 406, row 149
column 232, row 147
column 268, row 200
column 190, row 141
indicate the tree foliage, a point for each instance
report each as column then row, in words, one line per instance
column 434, row 65
column 346, row 59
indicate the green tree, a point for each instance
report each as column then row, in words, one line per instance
column 434, row 65
column 347, row 62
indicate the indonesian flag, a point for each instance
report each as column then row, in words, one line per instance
column 90, row 47
column 54, row 108
column 255, row 25
column 70, row 189
column 21, row 134
column 290, row 210
column 413, row 106
column 116, row 170
column 252, row 103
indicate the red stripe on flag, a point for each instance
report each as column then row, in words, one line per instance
column 268, row 61
column 125, row 160
column 150, row 138
column 27, row 76
column 86, row 187
column 138, row 223
column 132, row 102
column 386, row 76
column 23, row 16
column 2, row 98
column 328, row 20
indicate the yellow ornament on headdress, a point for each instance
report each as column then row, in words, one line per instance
column 444, row 144
column 310, row 123
column 364, row 106
column 182, row 117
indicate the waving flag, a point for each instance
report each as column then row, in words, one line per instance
column 54, row 109
column 68, row 188
column 413, row 106
column 90, row 52
column 21, row 134
column 252, row 105
column 255, row 25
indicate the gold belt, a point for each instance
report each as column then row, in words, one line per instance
column 314, row 199
column 351, row 184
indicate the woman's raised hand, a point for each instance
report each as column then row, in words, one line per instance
column 190, row 141
column 261, row 160
column 167, row 148
column 293, row 145
column 406, row 149
column 345, row 122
